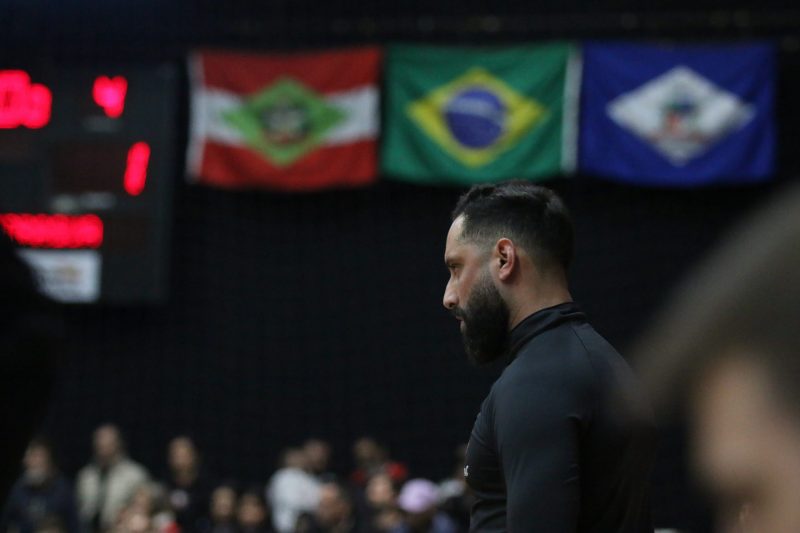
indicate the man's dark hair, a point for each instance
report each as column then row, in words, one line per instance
column 532, row 216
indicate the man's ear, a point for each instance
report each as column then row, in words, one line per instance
column 505, row 253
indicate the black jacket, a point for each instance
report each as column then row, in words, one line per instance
column 565, row 440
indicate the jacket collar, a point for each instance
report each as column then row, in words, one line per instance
column 541, row 321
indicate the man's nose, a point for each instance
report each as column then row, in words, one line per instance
column 450, row 300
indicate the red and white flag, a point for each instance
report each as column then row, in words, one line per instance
column 290, row 122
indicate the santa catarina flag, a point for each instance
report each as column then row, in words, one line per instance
column 678, row 116
column 289, row 122
column 471, row 115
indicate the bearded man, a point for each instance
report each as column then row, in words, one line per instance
column 565, row 440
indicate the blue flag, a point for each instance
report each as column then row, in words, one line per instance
column 680, row 116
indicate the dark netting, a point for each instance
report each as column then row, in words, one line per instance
column 291, row 316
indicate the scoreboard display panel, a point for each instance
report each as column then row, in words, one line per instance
column 87, row 160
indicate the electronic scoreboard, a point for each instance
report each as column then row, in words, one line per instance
column 86, row 168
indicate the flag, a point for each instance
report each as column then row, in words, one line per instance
column 289, row 122
column 678, row 116
column 470, row 115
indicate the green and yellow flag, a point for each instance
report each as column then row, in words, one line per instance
column 473, row 115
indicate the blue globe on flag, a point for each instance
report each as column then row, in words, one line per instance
column 476, row 117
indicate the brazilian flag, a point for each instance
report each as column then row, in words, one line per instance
column 474, row 115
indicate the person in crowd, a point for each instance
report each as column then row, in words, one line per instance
column 370, row 457
column 335, row 512
column 106, row 484
column 133, row 522
column 455, row 495
column 318, row 454
column 725, row 354
column 51, row 524
column 292, row 490
column 419, row 501
column 41, row 496
column 222, row 511
column 380, row 509
column 252, row 513
column 147, row 510
column 565, row 438
column 31, row 331
column 186, row 486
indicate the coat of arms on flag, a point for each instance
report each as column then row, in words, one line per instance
column 291, row 122
column 284, row 121
column 461, row 115
column 680, row 113
column 680, row 116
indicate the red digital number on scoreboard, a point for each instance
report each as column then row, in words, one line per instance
column 23, row 103
column 53, row 231
column 109, row 93
column 136, row 168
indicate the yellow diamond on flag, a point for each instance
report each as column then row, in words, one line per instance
column 476, row 117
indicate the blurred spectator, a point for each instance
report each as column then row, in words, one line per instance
column 133, row 522
column 252, row 513
column 292, row 490
column 107, row 483
column 727, row 351
column 187, row 488
column 30, row 331
column 381, row 511
column 42, row 496
column 419, row 501
column 146, row 511
column 318, row 454
column 334, row 514
column 222, row 511
column 455, row 495
column 50, row 524
column 371, row 458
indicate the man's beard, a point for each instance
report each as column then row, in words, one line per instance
column 485, row 323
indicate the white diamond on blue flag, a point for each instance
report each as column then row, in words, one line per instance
column 680, row 113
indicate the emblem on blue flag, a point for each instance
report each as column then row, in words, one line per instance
column 678, row 116
column 681, row 114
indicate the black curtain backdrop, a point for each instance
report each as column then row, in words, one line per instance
column 293, row 316
column 320, row 315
